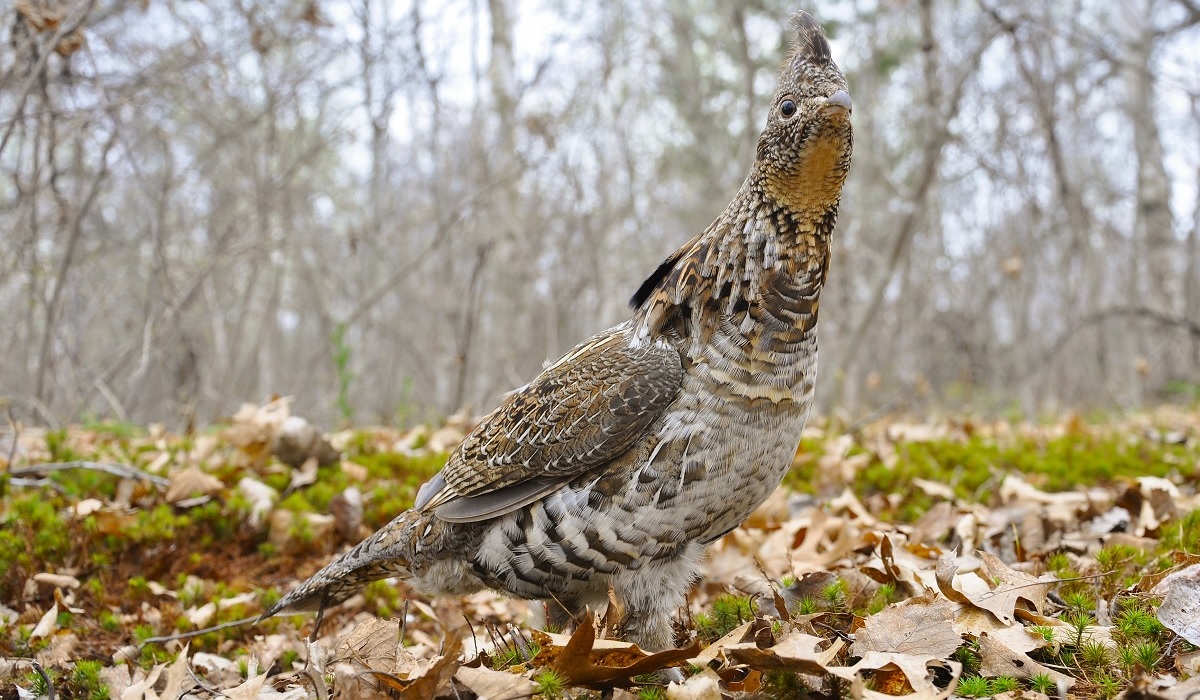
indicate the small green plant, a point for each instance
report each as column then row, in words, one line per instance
column 968, row 656
column 40, row 684
column 1042, row 683
column 727, row 613
column 1079, row 601
column 139, row 588
column 1137, row 620
column 505, row 657
column 143, row 632
column 1079, row 622
column 110, row 621
column 549, row 683
column 834, row 595
column 287, row 658
column 84, row 682
column 1106, row 686
column 1093, row 654
column 880, row 600
column 974, row 687
column 807, row 606
column 1046, row 632
column 383, row 598
column 1003, row 684
column 1139, row 658
column 651, row 692
column 1058, row 563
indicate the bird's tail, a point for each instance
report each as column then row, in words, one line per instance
column 388, row 552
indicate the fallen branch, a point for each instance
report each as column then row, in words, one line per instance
column 122, row 470
column 196, row 633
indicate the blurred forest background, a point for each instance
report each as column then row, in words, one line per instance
column 391, row 209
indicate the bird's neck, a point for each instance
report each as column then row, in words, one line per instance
column 757, row 238
column 755, row 246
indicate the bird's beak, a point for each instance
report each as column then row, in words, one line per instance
column 837, row 104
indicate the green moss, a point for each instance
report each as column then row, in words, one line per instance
column 1182, row 534
column 84, row 682
column 974, row 687
column 1003, row 684
column 382, row 598
column 1042, row 683
column 109, row 621
column 56, row 445
column 289, row 657
column 158, row 524
column 727, row 612
column 549, row 683
column 968, row 656
column 1136, row 621
column 975, row 467
column 33, row 537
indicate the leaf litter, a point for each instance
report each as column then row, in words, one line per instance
column 990, row 573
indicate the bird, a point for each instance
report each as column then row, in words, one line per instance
column 616, row 467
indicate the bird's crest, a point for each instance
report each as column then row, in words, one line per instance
column 808, row 40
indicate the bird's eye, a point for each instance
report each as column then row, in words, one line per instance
column 787, row 108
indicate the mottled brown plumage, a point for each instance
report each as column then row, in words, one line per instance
column 622, row 462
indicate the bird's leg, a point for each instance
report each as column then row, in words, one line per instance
column 652, row 595
column 649, row 628
column 562, row 615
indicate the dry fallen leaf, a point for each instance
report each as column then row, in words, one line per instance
column 912, row 628
column 440, row 671
column 996, row 659
column 47, row 625
column 977, row 623
column 140, row 689
column 248, row 690
column 797, row 652
column 946, row 568
column 1180, row 610
column 711, row 651
column 702, row 686
column 494, row 685
column 580, row 663
column 916, row 669
column 179, row 677
column 1001, row 601
column 192, row 482
column 304, row 475
column 261, row 497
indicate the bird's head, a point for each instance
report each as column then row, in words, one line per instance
column 804, row 150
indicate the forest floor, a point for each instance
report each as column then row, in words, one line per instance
column 953, row 557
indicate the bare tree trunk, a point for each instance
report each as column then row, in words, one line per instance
column 1153, row 232
column 74, row 231
column 940, row 112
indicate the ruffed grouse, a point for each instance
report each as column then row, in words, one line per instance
column 624, row 460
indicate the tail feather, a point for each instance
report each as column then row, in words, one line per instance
column 384, row 554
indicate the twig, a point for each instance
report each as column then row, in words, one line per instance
column 113, row 402
column 195, row 633
column 37, row 483
column 45, row 679
column 122, row 470
column 312, row 638
column 64, row 29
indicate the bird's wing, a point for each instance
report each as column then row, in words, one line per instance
column 586, row 409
